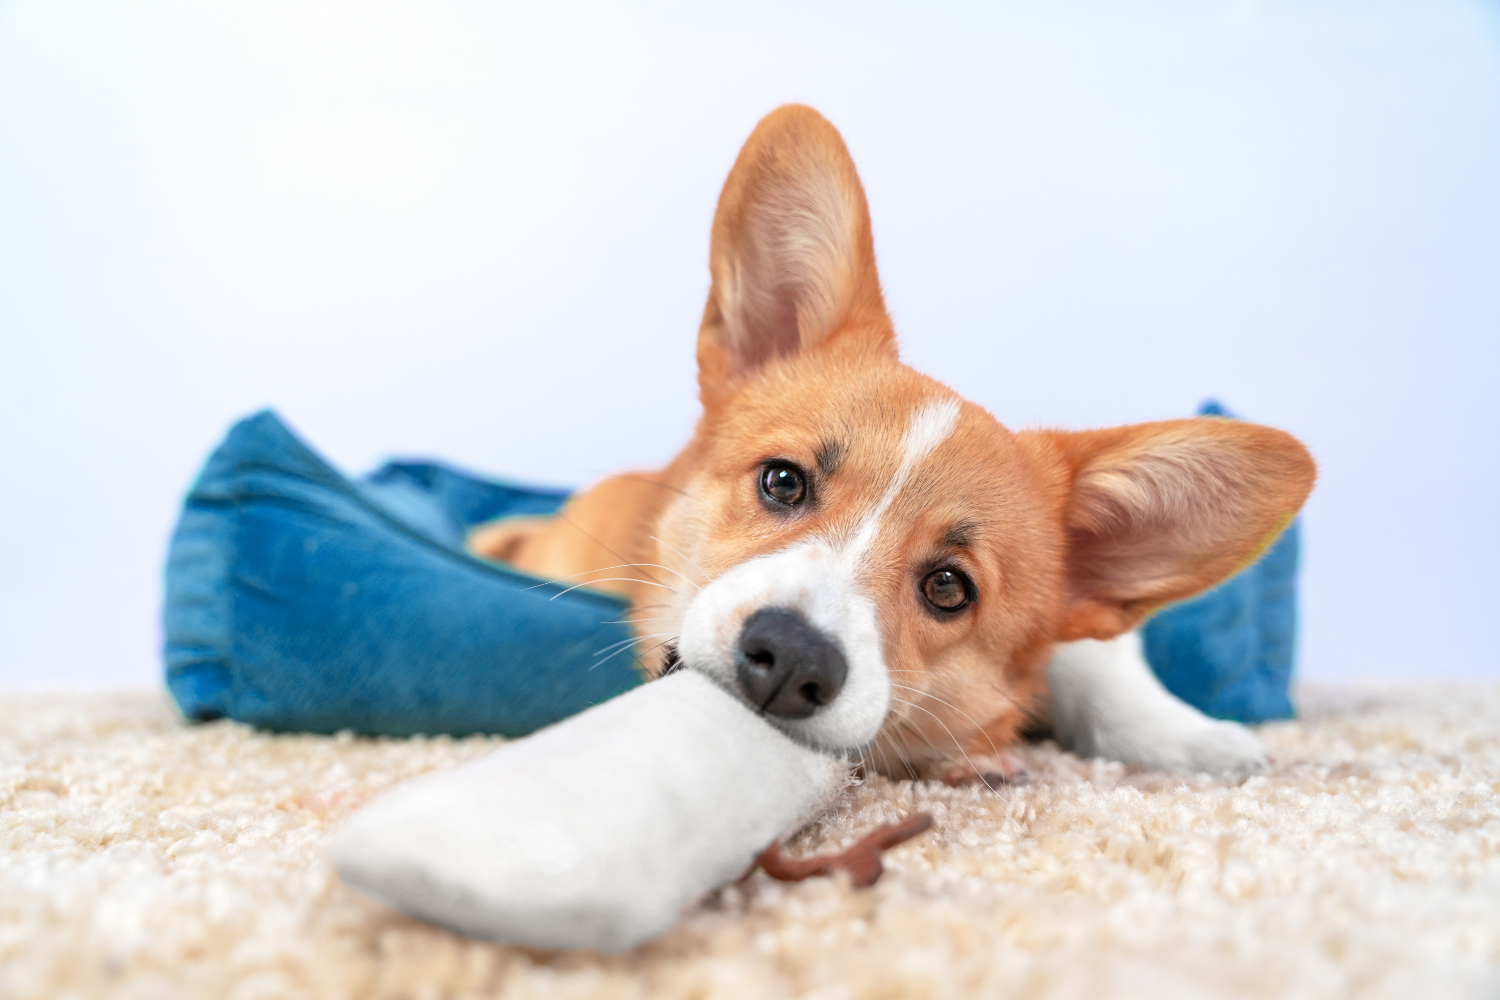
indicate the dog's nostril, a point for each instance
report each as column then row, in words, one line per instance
column 761, row 656
column 816, row 693
column 787, row 666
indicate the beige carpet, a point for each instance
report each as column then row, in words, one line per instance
column 140, row 857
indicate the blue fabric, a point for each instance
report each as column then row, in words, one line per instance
column 1230, row 651
column 298, row 599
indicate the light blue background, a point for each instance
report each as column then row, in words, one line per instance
column 479, row 231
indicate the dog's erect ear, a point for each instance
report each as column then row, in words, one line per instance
column 1158, row 512
column 792, row 258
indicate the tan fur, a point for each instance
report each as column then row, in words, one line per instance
column 1065, row 535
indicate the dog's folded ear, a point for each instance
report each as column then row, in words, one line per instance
column 792, row 258
column 1158, row 512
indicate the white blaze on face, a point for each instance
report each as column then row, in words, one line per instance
column 928, row 428
column 821, row 579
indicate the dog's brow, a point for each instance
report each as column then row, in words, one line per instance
column 961, row 535
column 830, row 455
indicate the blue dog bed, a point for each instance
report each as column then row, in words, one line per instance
column 299, row 599
column 1230, row 651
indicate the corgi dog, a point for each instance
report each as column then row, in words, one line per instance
column 877, row 565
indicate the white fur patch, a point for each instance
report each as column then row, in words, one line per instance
column 821, row 579
column 1107, row 703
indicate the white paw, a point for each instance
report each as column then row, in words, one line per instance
column 1225, row 749
column 1107, row 703
column 1178, row 742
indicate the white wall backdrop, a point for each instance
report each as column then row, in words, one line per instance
column 479, row 231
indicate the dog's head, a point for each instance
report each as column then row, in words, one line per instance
column 885, row 557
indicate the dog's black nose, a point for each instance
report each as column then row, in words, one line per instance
column 788, row 667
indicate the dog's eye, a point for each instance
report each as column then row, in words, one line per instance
column 783, row 483
column 946, row 589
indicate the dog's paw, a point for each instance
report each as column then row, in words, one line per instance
column 1185, row 741
column 1192, row 744
column 1225, row 750
column 990, row 770
column 1108, row 704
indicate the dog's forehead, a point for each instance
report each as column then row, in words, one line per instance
column 866, row 417
column 892, row 445
column 841, row 411
column 946, row 473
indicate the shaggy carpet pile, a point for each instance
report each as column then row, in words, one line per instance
column 144, row 857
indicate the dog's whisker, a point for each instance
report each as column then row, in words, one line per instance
column 627, row 642
column 905, row 762
column 606, row 569
column 919, row 738
column 958, row 746
column 669, row 569
column 564, row 579
column 913, row 731
column 1009, row 698
column 684, row 556
column 623, row 649
column 612, row 579
column 901, row 754
column 966, row 715
column 1004, row 694
column 597, row 541
column 653, row 649
column 638, row 638
column 886, row 768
